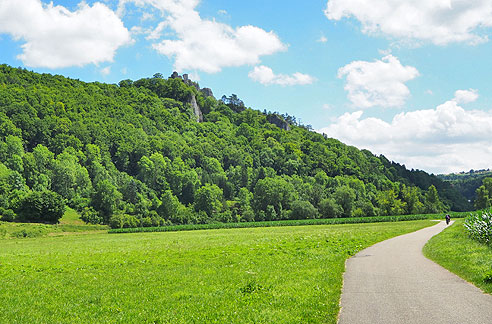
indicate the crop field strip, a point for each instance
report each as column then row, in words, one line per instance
column 301, row 222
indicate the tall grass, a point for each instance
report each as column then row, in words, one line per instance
column 479, row 226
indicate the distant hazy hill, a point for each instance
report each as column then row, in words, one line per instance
column 162, row 150
column 466, row 182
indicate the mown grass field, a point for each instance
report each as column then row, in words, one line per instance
column 252, row 275
column 70, row 223
column 467, row 258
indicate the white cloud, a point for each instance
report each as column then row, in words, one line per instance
column 379, row 83
column 147, row 16
column 445, row 139
column 437, row 21
column 322, row 39
column 156, row 33
column 206, row 45
column 106, row 71
column 55, row 37
column 222, row 12
column 465, row 96
column 266, row 76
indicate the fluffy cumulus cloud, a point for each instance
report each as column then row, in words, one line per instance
column 206, row 45
column 445, row 139
column 437, row 21
column 379, row 83
column 465, row 96
column 55, row 37
column 266, row 76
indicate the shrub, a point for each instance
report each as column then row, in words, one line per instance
column 270, row 213
column 303, row 210
column 329, row 208
column 116, row 221
column 248, row 215
column 7, row 215
column 130, row 221
column 479, row 226
column 358, row 212
column 146, row 222
column 488, row 277
column 89, row 215
column 42, row 206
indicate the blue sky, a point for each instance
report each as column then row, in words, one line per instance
column 409, row 79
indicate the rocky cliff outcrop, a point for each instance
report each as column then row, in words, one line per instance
column 207, row 92
column 196, row 109
column 278, row 121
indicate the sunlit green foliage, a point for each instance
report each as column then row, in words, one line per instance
column 134, row 153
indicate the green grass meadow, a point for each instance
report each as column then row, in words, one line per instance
column 252, row 275
column 69, row 224
column 458, row 253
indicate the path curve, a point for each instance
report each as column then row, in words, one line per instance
column 392, row 282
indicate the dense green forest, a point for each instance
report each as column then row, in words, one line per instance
column 163, row 151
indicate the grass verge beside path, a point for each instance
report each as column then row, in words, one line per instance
column 254, row 275
column 467, row 258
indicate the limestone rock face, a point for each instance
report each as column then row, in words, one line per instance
column 196, row 109
column 278, row 121
column 207, row 92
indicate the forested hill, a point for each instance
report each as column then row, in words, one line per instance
column 467, row 183
column 158, row 151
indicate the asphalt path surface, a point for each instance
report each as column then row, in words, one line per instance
column 392, row 282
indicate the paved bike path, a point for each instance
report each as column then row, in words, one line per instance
column 392, row 282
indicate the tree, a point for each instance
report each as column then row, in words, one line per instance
column 433, row 204
column 106, row 199
column 209, row 199
column 13, row 153
column 386, row 201
column 303, row 210
column 483, row 194
column 328, row 208
column 169, row 207
column 276, row 192
column 345, row 197
column 483, row 198
column 233, row 102
column 244, row 203
column 42, row 207
column 70, row 179
column 412, row 196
